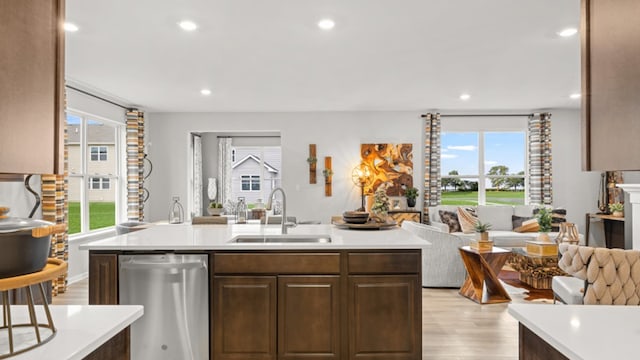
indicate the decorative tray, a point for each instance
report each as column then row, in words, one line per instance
column 366, row 226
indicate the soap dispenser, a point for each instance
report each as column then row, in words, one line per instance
column 176, row 212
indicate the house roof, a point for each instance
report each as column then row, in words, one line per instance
column 97, row 134
column 269, row 168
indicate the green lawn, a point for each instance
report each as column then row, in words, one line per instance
column 493, row 197
column 101, row 214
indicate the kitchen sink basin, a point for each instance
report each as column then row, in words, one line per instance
column 281, row 239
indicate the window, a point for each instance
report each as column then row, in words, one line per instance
column 99, row 183
column 483, row 168
column 250, row 182
column 94, row 177
column 98, row 153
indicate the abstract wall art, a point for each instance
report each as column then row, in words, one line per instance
column 388, row 163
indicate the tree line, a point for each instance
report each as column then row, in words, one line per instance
column 503, row 183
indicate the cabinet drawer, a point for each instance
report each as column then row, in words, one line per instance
column 388, row 263
column 277, row 263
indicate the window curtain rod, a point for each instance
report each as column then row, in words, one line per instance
column 99, row 98
column 480, row 115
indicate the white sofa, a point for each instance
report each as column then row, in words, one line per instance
column 500, row 218
column 441, row 262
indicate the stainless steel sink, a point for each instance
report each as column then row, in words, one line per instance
column 289, row 238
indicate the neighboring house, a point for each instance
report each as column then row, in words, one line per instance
column 101, row 162
column 253, row 178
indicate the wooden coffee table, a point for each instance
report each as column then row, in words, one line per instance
column 482, row 284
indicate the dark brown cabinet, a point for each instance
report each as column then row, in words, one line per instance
column 244, row 314
column 385, row 311
column 298, row 305
column 309, row 317
column 32, row 86
column 276, row 305
column 610, row 84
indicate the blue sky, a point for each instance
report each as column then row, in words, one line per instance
column 460, row 151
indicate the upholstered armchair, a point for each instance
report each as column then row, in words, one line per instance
column 600, row 276
column 441, row 262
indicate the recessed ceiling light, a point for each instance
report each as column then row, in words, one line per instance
column 575, row 96
column 326, row 24
column 568, row 32
column 205, row 92
column 465, row 97
column 70, row 27
column 187, row 25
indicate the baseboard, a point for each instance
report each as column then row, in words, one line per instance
column 77, row 278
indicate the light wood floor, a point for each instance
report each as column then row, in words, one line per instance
column 453, row 327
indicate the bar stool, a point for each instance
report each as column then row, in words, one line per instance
column 52, row 270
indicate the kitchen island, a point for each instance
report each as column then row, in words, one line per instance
column 81, row 332
column 353, row 294
column 577, row 332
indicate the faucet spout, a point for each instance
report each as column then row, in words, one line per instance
column 284, row 206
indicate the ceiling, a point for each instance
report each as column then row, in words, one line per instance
column 382, row 55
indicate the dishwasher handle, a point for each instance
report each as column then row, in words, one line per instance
column 133, row 264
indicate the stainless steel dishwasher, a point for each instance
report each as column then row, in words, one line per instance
column 173, row 289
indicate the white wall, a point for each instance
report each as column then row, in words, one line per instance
column 339, row 134
column 573, row 189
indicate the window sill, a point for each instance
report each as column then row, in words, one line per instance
column 93, row 235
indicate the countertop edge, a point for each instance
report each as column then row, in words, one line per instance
column 515, row 311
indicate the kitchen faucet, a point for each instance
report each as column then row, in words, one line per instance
column 284, row 208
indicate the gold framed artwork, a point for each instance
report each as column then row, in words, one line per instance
column 388, row 163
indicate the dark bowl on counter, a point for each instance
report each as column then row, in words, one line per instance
column 25, row 245
column 355, row 217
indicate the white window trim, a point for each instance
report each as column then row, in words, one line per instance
column 120, row 185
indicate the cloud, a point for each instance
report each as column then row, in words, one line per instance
column 462, row 147
column 448, row 156
column 491, row 162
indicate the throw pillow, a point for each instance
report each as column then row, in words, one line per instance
column 517, row 220
column 451, row 219
column 557, row 216
column 525, row 224
column 468, row 219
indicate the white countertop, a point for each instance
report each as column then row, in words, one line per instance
column 81, row 329
column 584, row 331
column 218, row 237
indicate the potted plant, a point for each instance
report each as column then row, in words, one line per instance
column 380, row 206
column 215, row 209
column 544, row 222
column 482, row 242
column 617, row 209
column 411, row 194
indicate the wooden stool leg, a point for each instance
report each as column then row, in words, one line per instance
column 6, row 309
column 46, row 309
column 32, row 313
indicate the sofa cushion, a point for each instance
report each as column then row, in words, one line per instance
column 451, row 219
column 569, row 289
column 529, row 225
column 524, row 210
column 434, row 211
column 499, row 216
column 468, row 219
column 558, row 216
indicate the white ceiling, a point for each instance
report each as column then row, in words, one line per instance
column 269, row 55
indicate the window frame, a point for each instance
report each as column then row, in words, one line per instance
column 252, row 181
column 99, row 153
column 482, row 175
column 115, row 181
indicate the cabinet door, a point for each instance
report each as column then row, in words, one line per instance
column 308, row 317
column 32, row 86
column 244, row 317
column 610, row 84
column 103, row 279
column 385, row 317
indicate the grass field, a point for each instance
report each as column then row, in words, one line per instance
column 493, row 197
column 101, row 214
